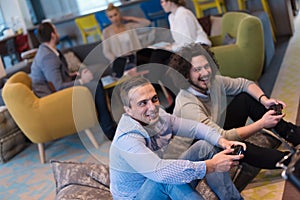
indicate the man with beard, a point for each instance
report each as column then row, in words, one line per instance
column 205, row 101
column 50, row 73
column 138, row 169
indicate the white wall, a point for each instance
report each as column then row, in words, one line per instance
column 16, row 11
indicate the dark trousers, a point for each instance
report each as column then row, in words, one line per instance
column 244, row 106
column 239, row 109
column 122, row 64
column 105, row 119
column 149, row 55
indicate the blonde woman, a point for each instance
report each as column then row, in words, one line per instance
column 118, row 49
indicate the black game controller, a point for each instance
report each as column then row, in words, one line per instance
column 238, row 150
column 278, row 108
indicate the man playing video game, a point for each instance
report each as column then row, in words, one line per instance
column 205, row 99
column 138, row 169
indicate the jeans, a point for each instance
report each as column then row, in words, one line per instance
column 220, row 183
column 154, row 190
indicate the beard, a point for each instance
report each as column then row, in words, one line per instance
column 199, row 89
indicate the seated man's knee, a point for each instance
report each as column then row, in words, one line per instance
column 200, row 150
column 243, row 96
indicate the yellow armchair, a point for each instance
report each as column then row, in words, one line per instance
column 89, row 26
column 202, row 5
column 57, row 115
column 244, row 58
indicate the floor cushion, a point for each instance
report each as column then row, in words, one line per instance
column 12, row 140
column 81, row 180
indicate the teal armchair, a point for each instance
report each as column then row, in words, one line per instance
column 245, row 57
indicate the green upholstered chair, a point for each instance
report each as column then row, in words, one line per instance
column 57, row 115
column 245, row 57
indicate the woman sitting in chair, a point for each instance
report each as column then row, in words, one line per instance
column 183, row 24
column 118, row 49
column 185, row 29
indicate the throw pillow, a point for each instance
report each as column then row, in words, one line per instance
column 73, row 61
column 205, row 24
column 216, row 25
column 228, row 39
column 85, row 174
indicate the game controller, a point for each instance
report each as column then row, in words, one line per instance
column 238, row 150
column 278, row 108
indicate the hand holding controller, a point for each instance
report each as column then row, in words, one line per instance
column 238, row 150
column 278, row 108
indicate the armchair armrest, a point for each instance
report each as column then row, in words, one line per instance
column 70, row 109
column 216, row 40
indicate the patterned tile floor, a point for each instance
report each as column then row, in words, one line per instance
column 269, row 185
column 24, row 177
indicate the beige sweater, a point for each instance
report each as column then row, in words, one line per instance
column 208, row 110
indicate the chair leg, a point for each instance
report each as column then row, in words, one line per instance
column 92, row 138
column 199, row 12
column 219, row 8
column 223, row 6
column 41, row 152
column 241, row 4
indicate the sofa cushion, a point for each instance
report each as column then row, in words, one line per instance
column 212, row 25
column 83, row 50
column 205, row 23
column 89, row 175
column 228, row 39
column 73, row 61
column 216, row 25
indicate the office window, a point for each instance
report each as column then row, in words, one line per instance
column 35, row 11
column 94, row 5
column 56, row 9
column 2, row 22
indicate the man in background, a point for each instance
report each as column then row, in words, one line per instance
column 50, row 73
